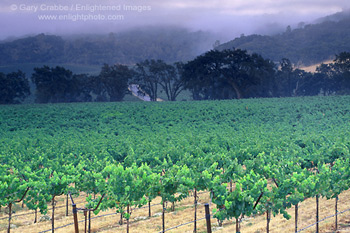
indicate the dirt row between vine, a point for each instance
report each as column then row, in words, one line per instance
column 184, row 212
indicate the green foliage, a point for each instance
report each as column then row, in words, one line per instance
column 276, row 152
column 241, row 201
column 13, row 186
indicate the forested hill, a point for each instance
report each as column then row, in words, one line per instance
column 306, row 45
column 129, row 47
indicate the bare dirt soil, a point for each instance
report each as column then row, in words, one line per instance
column 184, row 212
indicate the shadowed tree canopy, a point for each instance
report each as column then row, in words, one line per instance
column 286, row 79
column 14, row 87
column 229, row 74
column 336, row 75
column 148, row 75
column 171, row 79
column 55, row 85
column 115, row 81
column 153, row 74
column 342, row 69
column 59, row 85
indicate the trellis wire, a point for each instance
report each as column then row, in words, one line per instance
column 18, row 215
column 182, row 225
column 106, row 215
column 100, row 216
column 79, row 222
column 323, row 220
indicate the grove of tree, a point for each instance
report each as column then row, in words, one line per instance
column 227, row 74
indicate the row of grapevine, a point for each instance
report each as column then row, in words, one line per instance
column 254, row 156
column 252, row 192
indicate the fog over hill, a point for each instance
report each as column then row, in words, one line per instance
column 170, row 44
column 227, row 19
column 305, row 45
column 128, row 31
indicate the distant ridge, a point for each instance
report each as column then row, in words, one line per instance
column 170, row 44
column 304, row 46
column 335, row 17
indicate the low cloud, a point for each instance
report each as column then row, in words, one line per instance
column 225, row 17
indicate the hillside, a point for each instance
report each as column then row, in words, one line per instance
column 312, row 68
column 306, row 45
column 169, row 44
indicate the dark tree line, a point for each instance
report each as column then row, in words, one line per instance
column 55, row 85
column 14, row 88
column 232, row 74
column 151, row 75
column 228, row 74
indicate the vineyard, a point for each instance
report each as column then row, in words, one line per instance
column 250, row 157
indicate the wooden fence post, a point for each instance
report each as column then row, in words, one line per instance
column 207, row 217
column 10, row 216
column 85, row 215
column 195, row 211
column 67, row 205
column 336, row 213
column 75, row 215
column 317, row 213
column 268, row 218
column 296, row 218
column 149, row 209
column 163, row 217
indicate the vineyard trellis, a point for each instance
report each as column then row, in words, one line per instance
column 25, row 214
column 254, row 156
column 194, row 221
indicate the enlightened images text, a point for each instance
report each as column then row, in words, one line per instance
column 81, row 7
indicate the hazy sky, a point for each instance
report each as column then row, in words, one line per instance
column 226, row 17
